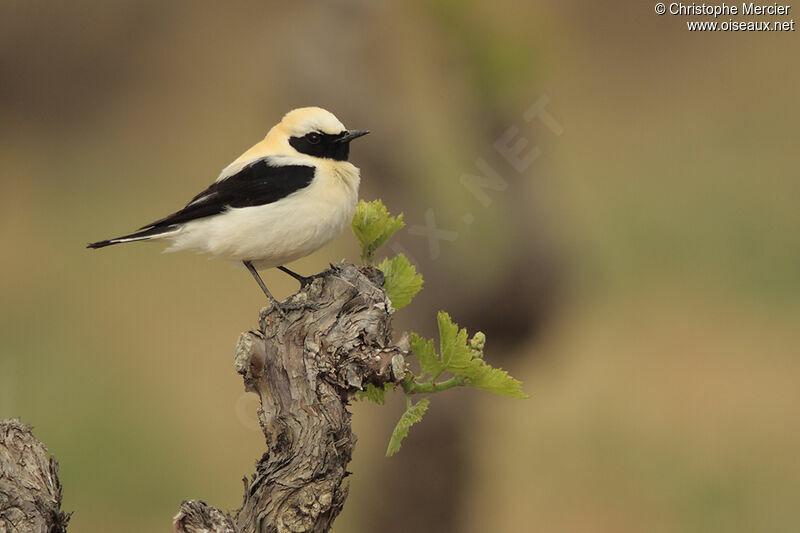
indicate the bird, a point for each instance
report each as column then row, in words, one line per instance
column 282, row 199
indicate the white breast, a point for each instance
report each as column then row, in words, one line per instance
column 281, row 232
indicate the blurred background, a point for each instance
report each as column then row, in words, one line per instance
column 632, row 254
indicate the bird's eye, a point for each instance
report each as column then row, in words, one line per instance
column 314, row 138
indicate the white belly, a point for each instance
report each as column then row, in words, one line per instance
column 278, row 233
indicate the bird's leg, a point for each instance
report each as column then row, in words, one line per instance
column 304, row 281
column 260, row 282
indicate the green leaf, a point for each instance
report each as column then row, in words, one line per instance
column 373, row 226
column 465, row 359
column 412, row 415
column 495, row 380
column 426, row 355
column 374, row 394
column 456, row 354
column 401, row 281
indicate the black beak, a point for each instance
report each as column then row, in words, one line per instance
column 350, row 135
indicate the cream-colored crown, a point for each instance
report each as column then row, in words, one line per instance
column 299, row 122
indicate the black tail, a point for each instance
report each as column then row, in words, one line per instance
column 133, row 237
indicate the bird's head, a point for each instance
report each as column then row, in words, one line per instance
column 316, row 132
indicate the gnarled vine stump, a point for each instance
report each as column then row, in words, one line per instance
column 30, row 493
column 305, row 366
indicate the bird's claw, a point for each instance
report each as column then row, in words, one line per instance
column 306, row 281
column 283, row 307
column 278, row 307
column 300, row 306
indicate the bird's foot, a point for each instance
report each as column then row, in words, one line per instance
column 277, row 306
column 299, row 306
column 305, row 281
column 295, row 304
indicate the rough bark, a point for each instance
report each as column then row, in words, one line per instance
column 305, row 367
column 304, row 370
column 30, row 493
column 333, row 338
column 195, row 516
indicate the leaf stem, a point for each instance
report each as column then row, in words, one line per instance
column 427, row 387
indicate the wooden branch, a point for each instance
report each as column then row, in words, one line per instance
column 30, row 493
column 305, row 368
column 198, row 517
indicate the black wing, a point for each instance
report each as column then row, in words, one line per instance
column 256, row 184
